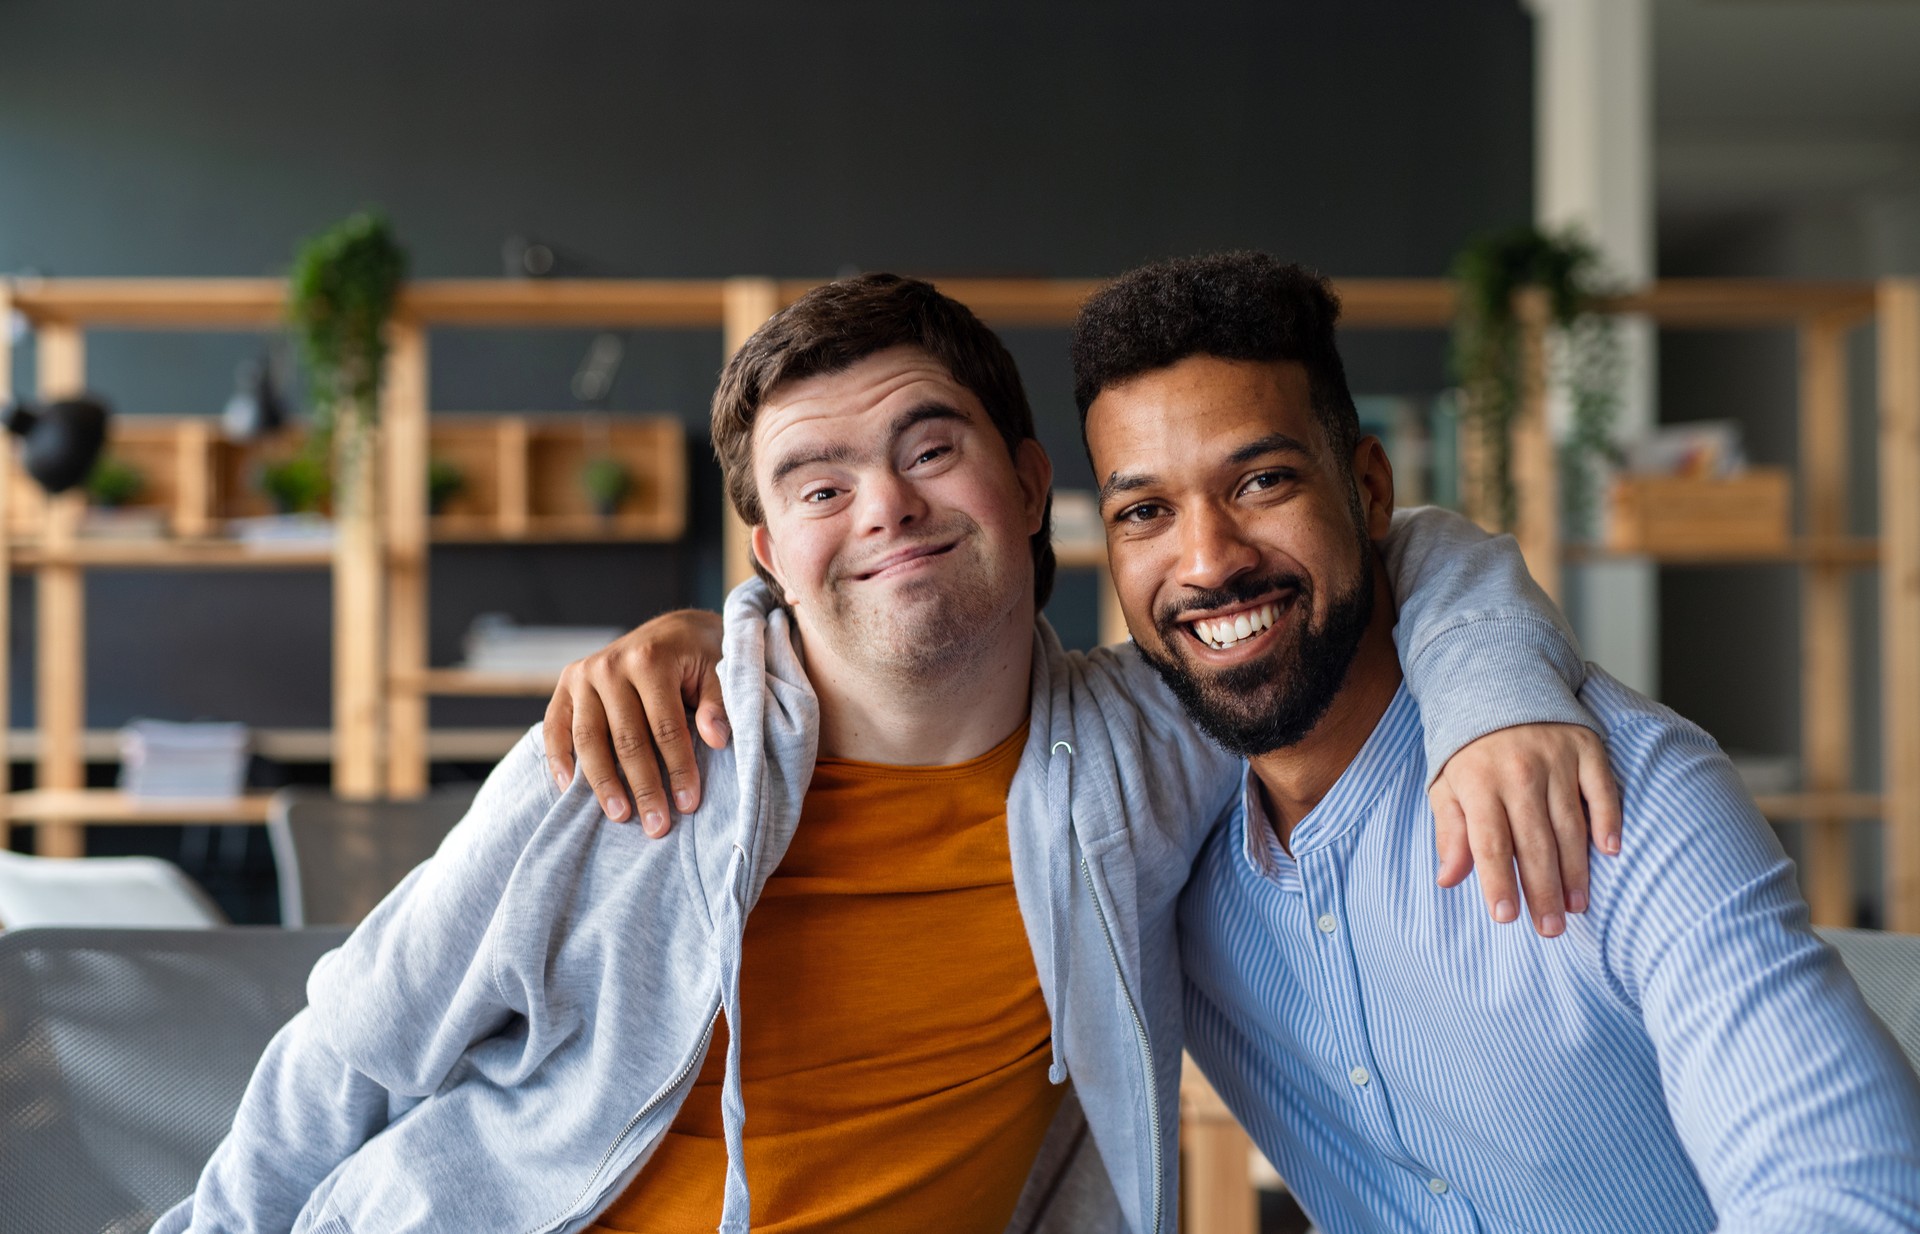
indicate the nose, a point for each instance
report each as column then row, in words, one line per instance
column 1213, row 549
column 889, row 501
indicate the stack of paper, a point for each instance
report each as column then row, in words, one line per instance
column 159, row 759
column 496, row 645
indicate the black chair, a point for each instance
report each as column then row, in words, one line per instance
column 123, row 1055
column 337, row 859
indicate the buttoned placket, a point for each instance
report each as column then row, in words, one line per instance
column 1314, row 878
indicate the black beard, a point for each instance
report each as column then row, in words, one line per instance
column 1260, row 706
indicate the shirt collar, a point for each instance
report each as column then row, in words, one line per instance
column 1395, row 739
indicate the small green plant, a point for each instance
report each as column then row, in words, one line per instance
column 445, row 481
column 114, row 482
column 1489, row 360
column 297, row 485
column 607, row 481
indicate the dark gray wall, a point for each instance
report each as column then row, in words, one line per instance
column 191, row 137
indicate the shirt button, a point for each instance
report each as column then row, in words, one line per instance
column 1437, row 1185
column 1326, row 923
column 1359, row 1077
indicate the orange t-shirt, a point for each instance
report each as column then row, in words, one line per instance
column 895, row 1048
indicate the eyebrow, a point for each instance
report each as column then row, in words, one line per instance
column 1258, row 448
column 843, row 454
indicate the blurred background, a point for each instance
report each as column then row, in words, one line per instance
column 1373, row 139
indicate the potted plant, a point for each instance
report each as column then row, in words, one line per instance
column 114, row 483
column 607, row 482
column 1489, row 355
column 445, row 481
column 297, row 485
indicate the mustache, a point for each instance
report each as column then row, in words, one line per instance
column 1240, row 591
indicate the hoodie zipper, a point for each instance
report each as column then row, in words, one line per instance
column 1140, row 1035
column 679, row 1078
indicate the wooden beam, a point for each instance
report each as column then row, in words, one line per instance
column 60, row 637
column 749, row 303
column 1826, row 659
column 663, row 303
column 192, row 513
column 1216, row 1183
column 514, row 485
column 1718, row 303
column 1536, row 471
column 1899, row 344
column 358, row 618
column 404, row 430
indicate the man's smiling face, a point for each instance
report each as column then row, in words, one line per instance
column 1239, row 547
column 896, row 521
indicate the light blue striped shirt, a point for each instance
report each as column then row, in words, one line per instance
column 1688, row 1048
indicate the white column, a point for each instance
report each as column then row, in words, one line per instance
column 1593, row 151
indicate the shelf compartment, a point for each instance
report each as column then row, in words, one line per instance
column 111, row 806
column 521, row 476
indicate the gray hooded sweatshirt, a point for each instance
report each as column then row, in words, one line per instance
column 502, row 1043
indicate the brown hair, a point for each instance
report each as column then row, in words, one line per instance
column 835, row 326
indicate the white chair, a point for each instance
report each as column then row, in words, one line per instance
column 100, row 891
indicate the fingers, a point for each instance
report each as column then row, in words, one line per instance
column 595, row 751
column 1537, row 849
column 1602, row 794
column 556, row 732
column 672, row 745
column 1450, row 835
column 1492, row 845
column 1569, row 823
column 629, row 744
column 710, row 714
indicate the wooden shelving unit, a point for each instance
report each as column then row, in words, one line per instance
column 517, row 469
column 523, row 485
column 1823, row 316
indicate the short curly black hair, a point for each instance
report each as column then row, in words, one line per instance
column 1237, row 306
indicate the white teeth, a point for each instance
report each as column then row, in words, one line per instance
column 1227, row 631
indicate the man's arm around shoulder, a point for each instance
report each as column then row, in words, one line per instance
column 389, row 1014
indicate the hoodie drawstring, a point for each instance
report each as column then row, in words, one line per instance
column 1060, row 887
column 736, row 1210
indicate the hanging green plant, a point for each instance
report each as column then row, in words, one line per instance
column 341, row 293
column 1489, row 361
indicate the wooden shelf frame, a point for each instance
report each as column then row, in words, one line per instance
column 1823, row 317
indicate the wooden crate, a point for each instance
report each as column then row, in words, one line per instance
column 1746, row 513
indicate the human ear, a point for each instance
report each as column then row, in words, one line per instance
column 761, row 540
column 1035, row 472
column 1373, row 481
